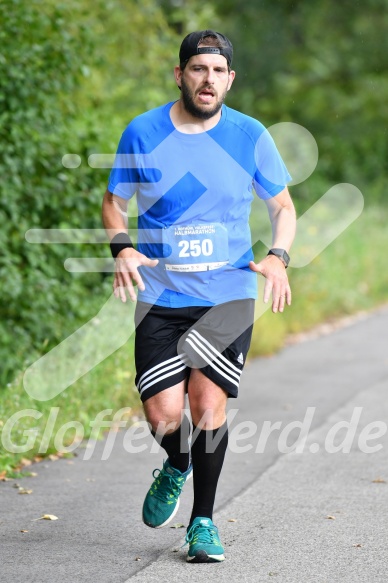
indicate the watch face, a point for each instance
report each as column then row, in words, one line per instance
column 286, row 257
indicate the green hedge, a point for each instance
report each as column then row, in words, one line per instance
column 43, row 53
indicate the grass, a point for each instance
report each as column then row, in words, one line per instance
column 348, row 276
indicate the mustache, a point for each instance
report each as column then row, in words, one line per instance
column 208, row 89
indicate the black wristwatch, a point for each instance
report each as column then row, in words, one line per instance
column 282, row 254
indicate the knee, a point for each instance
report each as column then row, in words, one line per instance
column 206, row 412
column 163, row 424
column 163, row 417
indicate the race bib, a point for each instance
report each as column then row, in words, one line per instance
column 196, row 247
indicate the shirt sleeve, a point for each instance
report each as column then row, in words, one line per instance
column 271, row 175
column 124, row 178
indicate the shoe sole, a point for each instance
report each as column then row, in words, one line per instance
column 174, row 512
column 203, row 557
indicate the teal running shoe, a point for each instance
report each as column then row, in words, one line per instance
column 204, row 543
column 162, row 500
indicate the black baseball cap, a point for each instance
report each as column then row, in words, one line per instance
column 189, row 46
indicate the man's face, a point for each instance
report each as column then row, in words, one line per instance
column 205, row 82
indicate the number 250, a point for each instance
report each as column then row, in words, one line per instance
column 195, row 248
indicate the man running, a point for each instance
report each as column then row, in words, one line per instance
column 193, row 165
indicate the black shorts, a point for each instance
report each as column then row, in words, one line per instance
column 170, row 342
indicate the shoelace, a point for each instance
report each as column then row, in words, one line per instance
column 174, row 485
column 201, row 534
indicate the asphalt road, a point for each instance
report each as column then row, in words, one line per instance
column 318, row 515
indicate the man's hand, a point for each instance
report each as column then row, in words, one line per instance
column 274, row 271
column 127, row 275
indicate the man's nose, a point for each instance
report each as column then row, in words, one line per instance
column 210, row 76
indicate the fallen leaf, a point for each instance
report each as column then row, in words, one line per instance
column 3, row 474
column 137, row 559
column 24, row 491
column 379, row 481
column 4, row 479
column 232, row 519
column 24, row 531
column 330, row 517
column 178, row 525
column 33, row 474
column 25, row 462
column 47, row 517
column 53, row 457
column 38, row 458
column 16, row 485
column 357, row 545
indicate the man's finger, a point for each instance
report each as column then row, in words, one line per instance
column 255, row 267
column 127, row 284
column 135, row 275
column 288, row 295
column 267, row 290
column 122, row 284
column 277, row 295
column 121, row 293
column 131, row 292
column 282, row 301
column 150, row 262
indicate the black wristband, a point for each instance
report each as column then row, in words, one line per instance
column 119, row 242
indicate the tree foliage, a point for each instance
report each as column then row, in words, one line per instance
column 43, row 51
column 323, row 65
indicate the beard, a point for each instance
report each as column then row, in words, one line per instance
column 201, row 112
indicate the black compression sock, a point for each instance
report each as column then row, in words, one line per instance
column 176, row 445
column 207, row 456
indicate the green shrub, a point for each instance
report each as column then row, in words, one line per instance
column 43, row 53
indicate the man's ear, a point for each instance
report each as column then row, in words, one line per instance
column 232, row 75
column 178, row 76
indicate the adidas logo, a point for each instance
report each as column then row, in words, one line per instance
column 240, row 358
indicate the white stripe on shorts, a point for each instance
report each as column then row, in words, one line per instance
column 160, row 365
column 222, row 361
column 212, row 363
column 163, row 370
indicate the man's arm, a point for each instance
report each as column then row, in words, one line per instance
column 283, row 220
column 114, row 218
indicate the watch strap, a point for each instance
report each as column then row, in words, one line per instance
column 281, row 254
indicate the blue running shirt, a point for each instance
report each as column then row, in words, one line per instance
column 194, row 194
